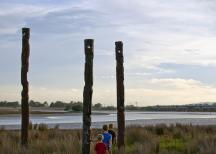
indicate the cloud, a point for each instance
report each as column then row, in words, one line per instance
column 14, row 16
column 197, row 51
column 37, row 15
column 151, row 92
column 171, row 91
column 154, row 33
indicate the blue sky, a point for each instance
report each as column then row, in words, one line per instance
column 169, row 49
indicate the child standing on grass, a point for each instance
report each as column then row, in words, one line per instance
column 107, row 139
column 112, row 132
column 100, row 147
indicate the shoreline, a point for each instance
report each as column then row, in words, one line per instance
column 41, row 114
column 96, row 112
column 142, row 123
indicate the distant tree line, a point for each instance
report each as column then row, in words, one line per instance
column 205, row 107
column 71, row 106
column 38, row 104
column 99, row 106
column 78, row 106
column 9, row 104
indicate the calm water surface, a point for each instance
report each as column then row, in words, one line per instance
column 111, row 116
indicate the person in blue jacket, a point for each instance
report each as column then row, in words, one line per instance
column 107, row 138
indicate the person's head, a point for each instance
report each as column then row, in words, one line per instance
column 105, row 127
column 110, row 126
column 100, row 137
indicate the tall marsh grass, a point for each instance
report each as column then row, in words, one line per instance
column 159, row 139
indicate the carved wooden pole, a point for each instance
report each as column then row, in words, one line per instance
column 120, row 95
column 87, row 95
column 24, row 82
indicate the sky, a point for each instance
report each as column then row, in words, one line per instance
column 169, row 49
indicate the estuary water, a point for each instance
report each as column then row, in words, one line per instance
column 72, row 121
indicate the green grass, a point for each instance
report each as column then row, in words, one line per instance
column 160, row 139
column 173, row 144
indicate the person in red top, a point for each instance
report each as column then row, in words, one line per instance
column 100, row 147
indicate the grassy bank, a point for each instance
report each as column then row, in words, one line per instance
column 139, row 140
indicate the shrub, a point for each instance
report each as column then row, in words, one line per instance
column 42, row 127
column 177, row 133
column 56, row 126
column 30, row 125
column 138, row 135
column 77, row 107
column 159, row 129
column 35, row 126
column 207, row 145
column 2, row 128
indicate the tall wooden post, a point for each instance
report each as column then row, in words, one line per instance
column 24, row 82
column 120, row 95
column 87, row 95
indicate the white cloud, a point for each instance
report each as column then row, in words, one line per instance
column 153, row 91
column 154, row 32
column 15, row 16
column 197, row 51
column 171, row 91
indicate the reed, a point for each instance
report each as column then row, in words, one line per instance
column 159, row 139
